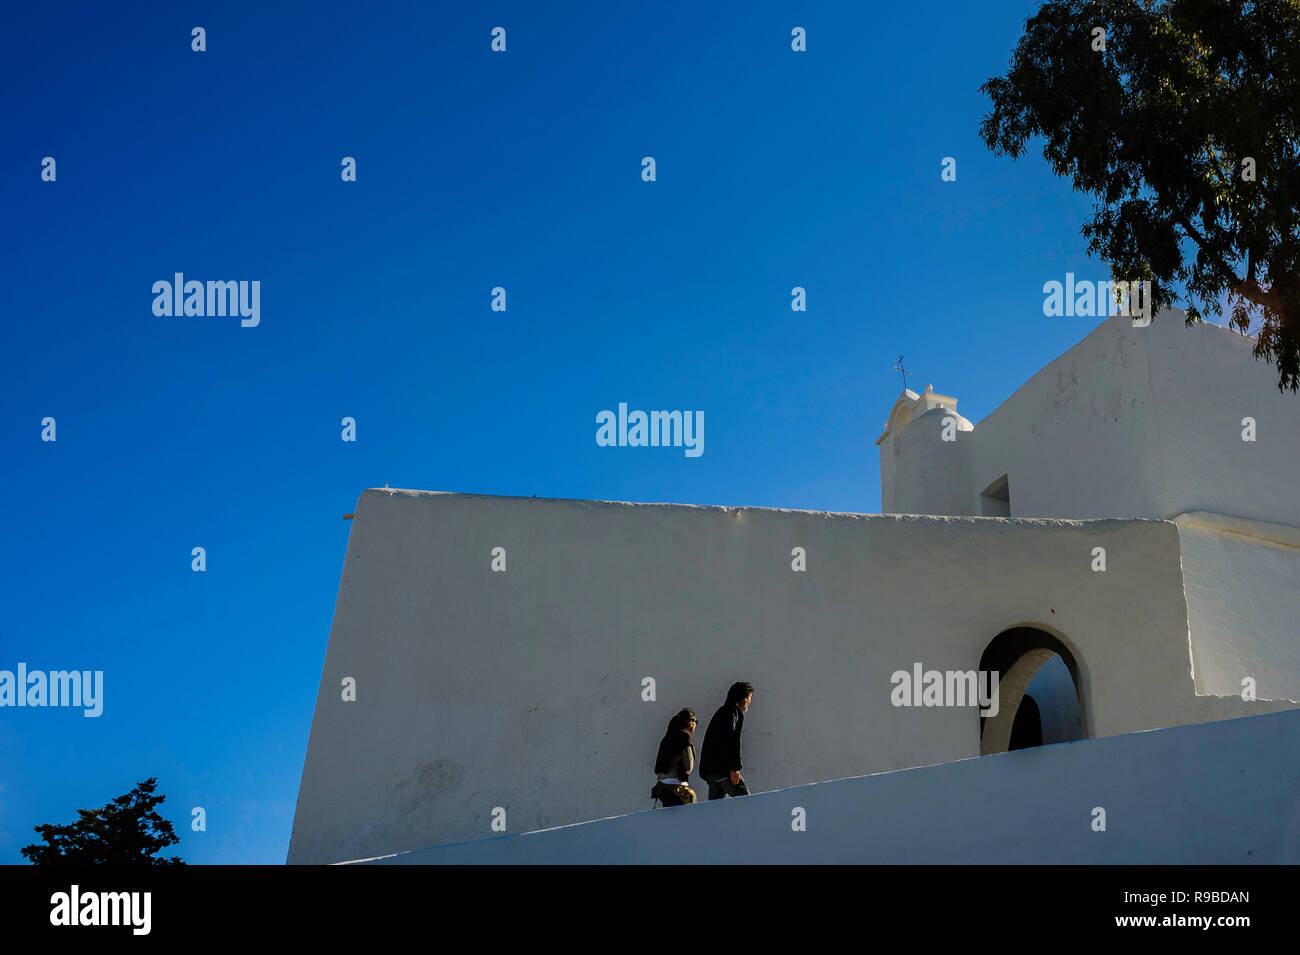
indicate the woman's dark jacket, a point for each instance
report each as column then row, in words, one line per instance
column 676, row 757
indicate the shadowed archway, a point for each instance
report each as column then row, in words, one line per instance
column 1018, row 655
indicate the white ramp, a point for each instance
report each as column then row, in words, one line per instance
column 1223, row 793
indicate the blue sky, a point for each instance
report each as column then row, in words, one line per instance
column 475, row 169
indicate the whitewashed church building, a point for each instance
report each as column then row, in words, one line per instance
column 1119, row 542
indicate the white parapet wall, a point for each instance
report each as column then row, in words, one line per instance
column 523, row 690
column 1242, row 580
column 1225, row 793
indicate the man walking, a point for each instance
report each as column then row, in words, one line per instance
column 720, row 755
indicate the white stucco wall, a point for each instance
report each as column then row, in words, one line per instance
column 1223, row 793
column 1079, row 439
column 523, row 689
column 1243, row 598
column 931, row 475
column 1206, row 382
column 1148, row 422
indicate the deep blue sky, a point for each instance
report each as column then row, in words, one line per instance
column 475, row 169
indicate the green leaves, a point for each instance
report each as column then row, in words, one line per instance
column 1184, row 127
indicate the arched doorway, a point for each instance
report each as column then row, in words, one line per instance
column 1040, row 692
column 1027, row 727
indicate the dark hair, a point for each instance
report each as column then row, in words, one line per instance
column 682, row 720
column 739, row 691
column 672, row 744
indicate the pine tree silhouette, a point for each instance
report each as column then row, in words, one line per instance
column 127, row 831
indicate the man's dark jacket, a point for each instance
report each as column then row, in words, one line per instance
column 720, row 754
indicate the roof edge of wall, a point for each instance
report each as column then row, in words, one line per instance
column 739, row 510
column 1266, row 532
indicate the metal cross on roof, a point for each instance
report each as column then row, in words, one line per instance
column 899, row 367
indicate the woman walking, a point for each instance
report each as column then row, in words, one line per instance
column 675, row 760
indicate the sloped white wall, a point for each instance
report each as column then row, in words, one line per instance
column 523, row 689
column 1080, row 438
column 1206, row 381
column 1224, row 793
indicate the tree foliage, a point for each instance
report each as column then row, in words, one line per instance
column 1164, row 127
column 127, row 831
